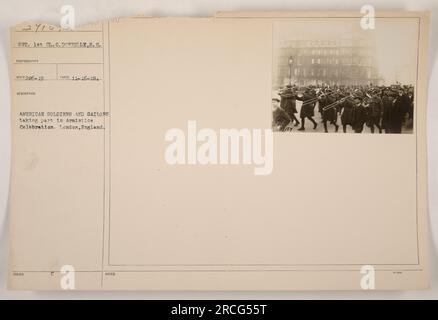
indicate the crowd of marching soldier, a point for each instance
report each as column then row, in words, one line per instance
column 386, row 109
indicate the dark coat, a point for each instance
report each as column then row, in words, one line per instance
column 280, row 119
column 375, row 112
column 376, row 107
column 329, row 114
column 288, row 103
column 386, row 110
column 393, row 115
column 404, row 102
column 307, row 109
column 360, row 116
column 347, row 112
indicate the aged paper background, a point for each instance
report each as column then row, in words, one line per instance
column 204, row 227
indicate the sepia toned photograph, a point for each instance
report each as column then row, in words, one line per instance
column 335, row 76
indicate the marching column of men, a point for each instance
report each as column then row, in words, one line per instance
column 381, row 108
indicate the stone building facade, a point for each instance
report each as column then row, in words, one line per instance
column 332, row 62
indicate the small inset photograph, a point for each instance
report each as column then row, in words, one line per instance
column 333, row 76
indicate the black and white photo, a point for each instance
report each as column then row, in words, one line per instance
column 333, row 76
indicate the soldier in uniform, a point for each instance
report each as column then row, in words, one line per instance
column 375, row 113
column 398, row 112
column 307, row 109
column 387, row 101
column 359, row 115
column 288, row 103
column 280, row 119
column 410, row 102
column 347, row 113
column 330, row 114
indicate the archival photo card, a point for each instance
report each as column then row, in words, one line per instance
column 161, row 154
